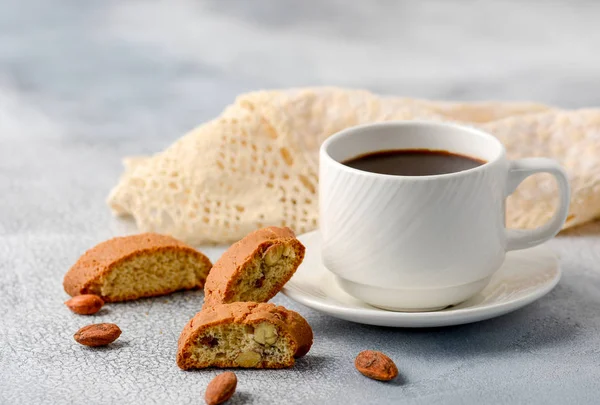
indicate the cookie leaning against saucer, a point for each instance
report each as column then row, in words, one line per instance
column 255, row 268
column 244, row 334
column 137, row 266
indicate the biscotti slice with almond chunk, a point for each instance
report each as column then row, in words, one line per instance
column 137, row 266
column 255, row 268
column 244, row 334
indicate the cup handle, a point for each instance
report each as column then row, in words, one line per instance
column 518, row 171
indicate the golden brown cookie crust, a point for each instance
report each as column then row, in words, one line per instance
column 288, row 322
column 219, row 284
column 99, row 260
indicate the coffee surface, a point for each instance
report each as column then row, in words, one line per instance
column 413, row 162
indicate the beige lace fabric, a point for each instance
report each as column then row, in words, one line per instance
column 256, row 164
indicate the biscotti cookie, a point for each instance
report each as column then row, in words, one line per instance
column 137, row 266
column 255, row 268
column 244, row 334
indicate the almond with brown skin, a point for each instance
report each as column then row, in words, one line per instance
column 99, row 334
column 86, row 304
column 221, row 388
column 376, row 365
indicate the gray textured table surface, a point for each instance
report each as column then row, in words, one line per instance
column 83, row 83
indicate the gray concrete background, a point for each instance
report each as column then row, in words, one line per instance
column 84, row 83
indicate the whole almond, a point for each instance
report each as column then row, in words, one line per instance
column 376, row 365
column 221, row 388
column 86, row 304
column 99, row 334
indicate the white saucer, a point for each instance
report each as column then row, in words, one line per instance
column 525, row 276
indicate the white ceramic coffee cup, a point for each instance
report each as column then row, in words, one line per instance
column 413, row 243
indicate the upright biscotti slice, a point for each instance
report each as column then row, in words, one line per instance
column 137, row 266
column 244, row 334
column 255, row 268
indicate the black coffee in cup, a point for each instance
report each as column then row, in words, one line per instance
column 413, row 162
